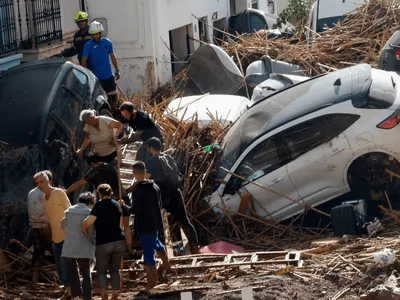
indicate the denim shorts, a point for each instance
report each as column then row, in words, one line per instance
column 150, row 244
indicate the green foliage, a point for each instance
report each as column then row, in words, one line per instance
column 297, row 9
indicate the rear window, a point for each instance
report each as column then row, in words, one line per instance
column 382, row 92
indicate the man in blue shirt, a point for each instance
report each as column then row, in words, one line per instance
column 97, row 53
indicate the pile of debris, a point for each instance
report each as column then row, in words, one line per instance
column 357, row 39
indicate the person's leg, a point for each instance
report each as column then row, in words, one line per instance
column 115, row 263
column 128, row 234
column 160, row 248
column 84, row 266
column 73, row 274
column 148, row 242
column 178, row 210
column 103, row 254
column 34, row 240
column 141, row 154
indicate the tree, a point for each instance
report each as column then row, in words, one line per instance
column 297, row 9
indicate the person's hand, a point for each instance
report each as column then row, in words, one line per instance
column 121, row 203
column 79, row 153
column 84, row 230
column 112, row 141
column 117, row 74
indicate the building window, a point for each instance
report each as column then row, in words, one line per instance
column 203, row 30
column 271, row 6
column 254, row 4
column 8, row 40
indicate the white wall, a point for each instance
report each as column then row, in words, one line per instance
column 68, row 10
column 281, row 5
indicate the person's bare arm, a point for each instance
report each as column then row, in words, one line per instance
column 76, row 186
column 84, row 62
column 85, row 143
column 116, row 125
column 134, row 138
column 89, row 221
column 114, row 60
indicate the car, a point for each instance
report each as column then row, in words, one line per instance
column 312, row 142
column 40, row 104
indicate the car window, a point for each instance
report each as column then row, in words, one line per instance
column 265, row 158
column 308, row 135
column 76, row 81
column 257, row 23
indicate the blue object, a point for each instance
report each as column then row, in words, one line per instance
column 98, row 54
column 150, row 242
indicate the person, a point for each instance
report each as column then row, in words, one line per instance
column 99, row 173
column 78, row 249
column 110, row 239
column 40, row 231
column 170, row 190
column 144, row 127
column 96, row 54
column 80, row 37
column 56, row 203
column 146, row 206
column 100, row 132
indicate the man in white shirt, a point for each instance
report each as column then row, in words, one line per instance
column 40, row 231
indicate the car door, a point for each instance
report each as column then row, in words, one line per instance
column 264, row 164
column 319, row 151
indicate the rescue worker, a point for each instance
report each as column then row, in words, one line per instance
column 80, row 38
column 144, row 127
column 96, row 54
column 164, row 171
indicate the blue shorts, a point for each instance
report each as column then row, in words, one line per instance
column 150, row 243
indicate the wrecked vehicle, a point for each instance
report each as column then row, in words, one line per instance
column 40, row 103
column 312, row 142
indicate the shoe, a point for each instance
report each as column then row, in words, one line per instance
column 152, row 277
column 194, row 249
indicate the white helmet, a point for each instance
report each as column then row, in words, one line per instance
column 95, row 27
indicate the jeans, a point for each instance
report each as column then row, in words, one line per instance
column 176, row 207
column 108, row 258
column 61, row 263
column 77, row 289
column 150, row 242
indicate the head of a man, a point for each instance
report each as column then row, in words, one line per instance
column 127, row 110
column 88, row 116
column 139, row 170
column 93, row 160
column 87, row 198
column 154, row 146
column 42, row 181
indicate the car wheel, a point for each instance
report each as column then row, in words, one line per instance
column 369, row 178
column 105, row 112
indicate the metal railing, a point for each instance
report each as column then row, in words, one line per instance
column 8, row 34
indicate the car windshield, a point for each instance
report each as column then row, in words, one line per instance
column 23, row 94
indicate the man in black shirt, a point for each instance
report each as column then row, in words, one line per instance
column 144, row 128
column 146, row 206
column 100, row 173
column 164, row 171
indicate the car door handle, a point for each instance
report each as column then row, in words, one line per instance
column 276, row 180
column 336, row 150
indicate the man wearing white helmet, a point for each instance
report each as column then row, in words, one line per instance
column 97, row 53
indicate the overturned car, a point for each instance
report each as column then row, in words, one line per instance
column 312, row 142
column 40, row 103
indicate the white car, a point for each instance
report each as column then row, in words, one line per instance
column 312, row 142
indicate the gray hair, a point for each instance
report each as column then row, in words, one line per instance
column 41, row 174
column 86, row 114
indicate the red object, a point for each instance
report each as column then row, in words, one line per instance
column 391, row 122
column 222, row 248
column 398, row 54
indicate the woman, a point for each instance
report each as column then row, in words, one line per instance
column 100, row 132
column 110, row 239
column 79, row 248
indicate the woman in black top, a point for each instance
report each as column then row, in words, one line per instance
column 110, row 239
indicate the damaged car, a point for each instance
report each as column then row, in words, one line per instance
column 312, row 142
column 40, row 104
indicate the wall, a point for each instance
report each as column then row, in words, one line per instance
column 68, row 10
column 281, row 5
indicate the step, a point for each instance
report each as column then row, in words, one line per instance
column 126, row 173
column 129, row 154
column 127, row 163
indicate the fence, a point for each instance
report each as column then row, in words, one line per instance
column 8, row 34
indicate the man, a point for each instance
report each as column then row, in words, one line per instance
column 40, row 232
column 97, row 53
column 164, row 171
column 80, row 37
column 56, row 203
column 146, row 207
column 144, row 127
column 100, row 173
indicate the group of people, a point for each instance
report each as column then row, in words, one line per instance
column 94, row 53
column 91, row 229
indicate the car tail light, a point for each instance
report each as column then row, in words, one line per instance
column 398, row 54
column 390, row 122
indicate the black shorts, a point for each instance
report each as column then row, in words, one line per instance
column 41, row 240
column 108, row 85
column 108, row 158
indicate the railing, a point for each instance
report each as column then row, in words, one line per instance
column 8, row 34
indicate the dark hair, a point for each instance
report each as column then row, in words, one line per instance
column 126, row 106
column 86, row 198
column 154, row 143
column 139, row 166
column 49, row 175
column 93, row 158
column 105, row 189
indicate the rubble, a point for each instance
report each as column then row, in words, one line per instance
column 359, row 38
